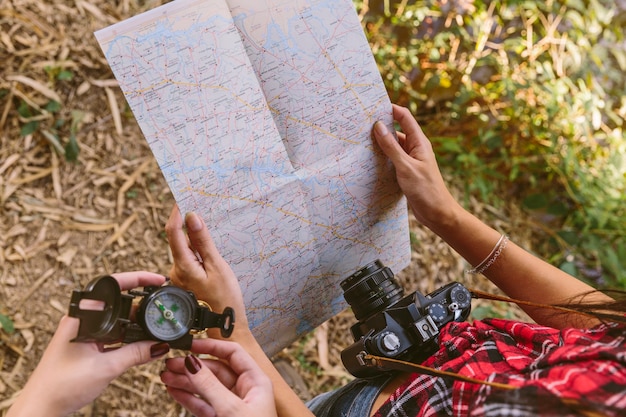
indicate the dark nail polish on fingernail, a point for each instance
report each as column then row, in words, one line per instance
column 193, row 364
column 159, row 349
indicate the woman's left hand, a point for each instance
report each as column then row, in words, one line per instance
column 71, row 375
column 200, row 268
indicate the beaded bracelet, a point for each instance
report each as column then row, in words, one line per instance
column 491, row 258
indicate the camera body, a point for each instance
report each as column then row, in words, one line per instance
column 394, row 326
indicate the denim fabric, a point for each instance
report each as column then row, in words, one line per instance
column 353, row 400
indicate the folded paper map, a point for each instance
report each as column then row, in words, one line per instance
column 259, row 113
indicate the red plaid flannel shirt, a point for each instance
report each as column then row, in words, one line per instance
column 549, row 366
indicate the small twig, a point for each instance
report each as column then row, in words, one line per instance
column 37, row 285
column 129, row 183
column 118, row 234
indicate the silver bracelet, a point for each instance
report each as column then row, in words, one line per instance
column 491, row 258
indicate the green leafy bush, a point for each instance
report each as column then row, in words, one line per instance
column 524, row 101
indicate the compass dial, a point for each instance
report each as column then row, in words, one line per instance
column 169, row 313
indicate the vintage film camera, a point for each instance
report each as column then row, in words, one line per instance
column 394, row 327
column 166, row 314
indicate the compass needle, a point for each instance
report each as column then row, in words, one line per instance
column 167, row 313
column 159, row 305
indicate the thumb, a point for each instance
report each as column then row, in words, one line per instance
column 388, row 143
column 200, row 238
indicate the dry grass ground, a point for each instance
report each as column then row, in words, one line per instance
column 64, row 223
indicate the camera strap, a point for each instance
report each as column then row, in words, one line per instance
column 387, row 364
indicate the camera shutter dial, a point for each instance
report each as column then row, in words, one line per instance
column 461, row 296
column 389, row 342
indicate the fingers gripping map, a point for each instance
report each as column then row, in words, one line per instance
column 259, row 114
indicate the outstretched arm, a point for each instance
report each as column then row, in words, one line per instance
column 515, row 271
column 71, row 375
column 199, row 267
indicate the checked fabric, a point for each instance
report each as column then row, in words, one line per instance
column 571, row 372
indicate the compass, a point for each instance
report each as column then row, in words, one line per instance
column 167, row 313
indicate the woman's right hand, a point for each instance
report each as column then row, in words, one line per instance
column 71, row 375
column 417, row 171
column 199, row 268
column 231, row 385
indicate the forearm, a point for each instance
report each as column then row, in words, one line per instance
column 288, row 404
column 33, row 402
column 518, row 273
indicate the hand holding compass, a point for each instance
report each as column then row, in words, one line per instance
column 167, row 313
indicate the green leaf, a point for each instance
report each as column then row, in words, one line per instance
column 415, row 242
column 570, row 237
column 72, row 149
column 7, row 324
column 482, row 312
column 29, row 128
column 577, row 4
column 494, row 142
column 536, row 201
column 53, row 106
column 558, row 209
column 447, row 145
column 65, row 75
column 24, row 110
column 569, row 267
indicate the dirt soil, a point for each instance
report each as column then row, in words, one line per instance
column 64, row 223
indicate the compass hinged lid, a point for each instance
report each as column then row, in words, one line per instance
column 102, row 309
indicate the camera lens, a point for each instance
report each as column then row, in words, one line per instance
column 371, row 289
